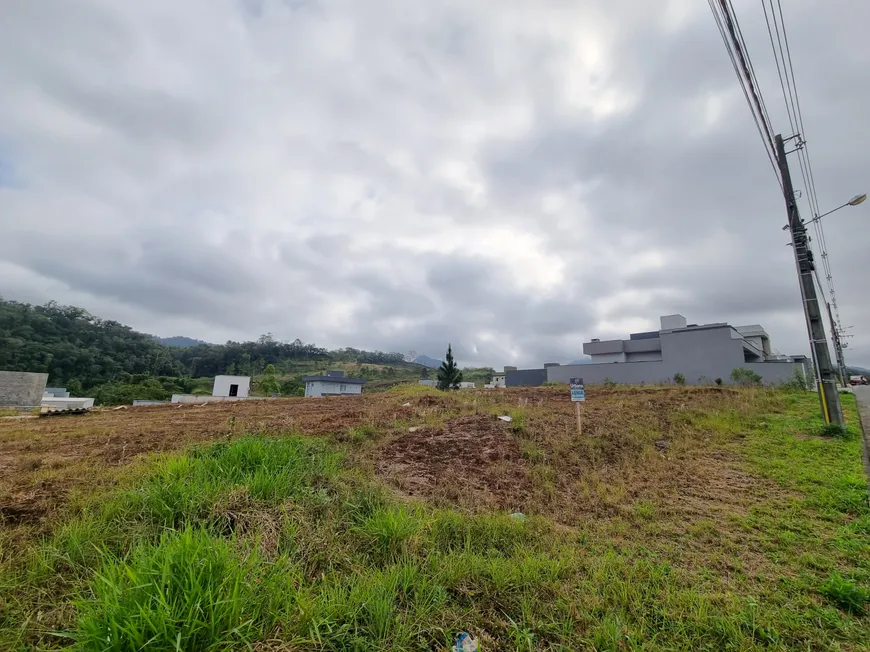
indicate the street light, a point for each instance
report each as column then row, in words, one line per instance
column 857, row 199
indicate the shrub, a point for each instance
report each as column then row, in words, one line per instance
column 745, row 377
column 679, row 378
column 609, row 383
column 798, row 381
column 718, row 381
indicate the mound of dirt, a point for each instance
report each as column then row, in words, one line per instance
column 473, row 461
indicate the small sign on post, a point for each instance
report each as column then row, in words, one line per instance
column 578, row 396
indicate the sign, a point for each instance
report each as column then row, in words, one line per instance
column 578, row 393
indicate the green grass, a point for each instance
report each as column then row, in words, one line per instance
column 282, row 540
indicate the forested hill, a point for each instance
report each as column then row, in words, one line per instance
column 72, row 345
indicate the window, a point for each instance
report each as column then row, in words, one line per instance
column 234, row 390
column 343, row 388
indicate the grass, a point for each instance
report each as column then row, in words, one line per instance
column 286, row 543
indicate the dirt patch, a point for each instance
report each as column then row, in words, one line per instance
column 473, row 460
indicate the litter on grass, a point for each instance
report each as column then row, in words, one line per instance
column 464, row 643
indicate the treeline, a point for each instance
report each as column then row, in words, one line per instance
column 68, row 344
column 76, row 348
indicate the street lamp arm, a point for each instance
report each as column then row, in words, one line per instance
column 818, row 217
column 857, row 199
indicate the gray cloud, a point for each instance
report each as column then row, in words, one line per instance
column 513, row 177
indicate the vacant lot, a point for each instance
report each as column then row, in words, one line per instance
column 691, row 518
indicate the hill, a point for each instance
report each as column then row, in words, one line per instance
column 426, row 361
column 84, row 352
column 177, row 340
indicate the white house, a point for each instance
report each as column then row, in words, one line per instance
column 334, row 383
column 498, row 379
column 467, row 385
column 232, row 386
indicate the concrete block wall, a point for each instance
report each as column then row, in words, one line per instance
column 21, row 389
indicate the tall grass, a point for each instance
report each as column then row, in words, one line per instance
column 188, row 590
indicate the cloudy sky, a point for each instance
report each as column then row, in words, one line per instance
column 513, row 176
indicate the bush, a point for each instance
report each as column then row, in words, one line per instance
column 745, row 377
column 292, row 388
column 718, row 381
column 798, row 381
column 609, row 383
column 679, row 378
column 125, row 393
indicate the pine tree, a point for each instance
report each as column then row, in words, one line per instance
column 449, row 375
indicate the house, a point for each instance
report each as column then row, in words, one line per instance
column 499, row 378
column 231, row 386
column 700, row 353
column 334, row 383
column 467, row 385
column 225, row 388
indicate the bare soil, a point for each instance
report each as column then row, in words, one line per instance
column 472, row 459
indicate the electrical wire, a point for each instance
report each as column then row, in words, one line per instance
column 728, row 25
column 791, row 97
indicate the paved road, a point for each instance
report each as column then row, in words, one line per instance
column 862, row 393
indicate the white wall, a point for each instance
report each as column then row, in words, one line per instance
column 325, row 388
column 196, row 398
column 222, row 385
column 498, row 380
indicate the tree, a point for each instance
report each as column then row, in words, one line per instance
column 268, row 383
column 424, row 373
column 449, row 375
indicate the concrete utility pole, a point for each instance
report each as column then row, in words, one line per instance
column 832, row 411
column 838, row 349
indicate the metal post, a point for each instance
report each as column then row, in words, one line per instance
column 832, row 411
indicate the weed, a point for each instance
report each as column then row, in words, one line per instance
column 387, row 531
column 834, row 430
column 847, row 595
column 679, row 378
column 359, row 434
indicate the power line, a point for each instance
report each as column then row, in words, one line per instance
column 745, row 76
column 793, row 108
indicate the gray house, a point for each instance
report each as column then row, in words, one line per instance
column 701, row 353
column 334, row 383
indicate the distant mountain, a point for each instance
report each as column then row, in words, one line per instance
column 583, row 361
column 427, row 361
column 178, row 341
column 857, row 371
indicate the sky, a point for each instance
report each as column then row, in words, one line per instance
column 513, row 177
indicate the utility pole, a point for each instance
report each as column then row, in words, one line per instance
column 838, row 348
column 832, row 411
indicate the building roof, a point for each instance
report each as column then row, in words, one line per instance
column 334, row 379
